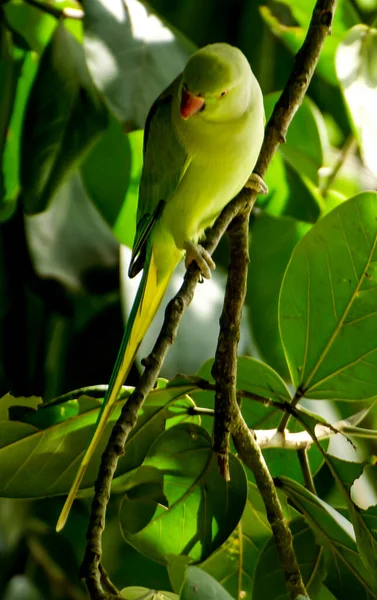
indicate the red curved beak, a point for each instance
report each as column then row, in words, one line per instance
column 190, row 104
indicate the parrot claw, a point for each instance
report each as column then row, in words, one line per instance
column 196, row 253
column 256, row 183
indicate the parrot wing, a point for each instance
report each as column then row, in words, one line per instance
column 165, row 162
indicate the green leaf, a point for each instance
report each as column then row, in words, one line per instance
column 64, row 116
column 11, row 157
column 233, row 564
column 43, row 462
column 290, row 193
column 293, row 35
column 364, row 522
column 34, row 25
column 332, row 530
column 10, row 69
column 310, row 561
column 178, row 503
column 264, row 280
column 200, row 585
column 303, row 152
column 132, row 56
column 256, row 377
column 125, row 224
column 327, row 309
column 141, row 593
column 357, row 73
column 106, row 171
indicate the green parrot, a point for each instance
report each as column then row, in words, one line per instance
column 202, row 139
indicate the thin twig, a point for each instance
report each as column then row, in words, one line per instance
column 284, row 111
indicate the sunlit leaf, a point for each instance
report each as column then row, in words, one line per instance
column 293, row 34
column 34, row 25
column 125, row 225
column 9, row 72
column 357, row 73
column 132, row 56
column 11, row 158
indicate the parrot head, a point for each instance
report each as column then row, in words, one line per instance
column 215, row 84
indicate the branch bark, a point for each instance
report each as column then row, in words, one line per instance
column 283, row 113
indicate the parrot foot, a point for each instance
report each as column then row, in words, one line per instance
column 196, row 253
column 256, row 183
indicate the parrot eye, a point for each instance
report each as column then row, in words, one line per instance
column 224, row 93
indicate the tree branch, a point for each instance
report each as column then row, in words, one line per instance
column 284, row 111
column 252, row 456
column 224, row 369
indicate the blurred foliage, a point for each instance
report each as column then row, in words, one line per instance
column 74, row 95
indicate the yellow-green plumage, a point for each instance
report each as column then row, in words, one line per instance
column 202, row 139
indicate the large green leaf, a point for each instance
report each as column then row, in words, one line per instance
column 177, row 502
column 41, row 458
column 233, row 564
column 64, row 116
column 310, row 561
column 357, row 73
column 267, row 267
column 336, row 533
column 328, row 302
column 131, row 55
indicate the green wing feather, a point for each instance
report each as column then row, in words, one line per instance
column 165, row 161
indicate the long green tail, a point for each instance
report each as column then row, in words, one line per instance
column 148, row 299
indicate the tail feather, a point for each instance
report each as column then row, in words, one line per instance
column 148, row 299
